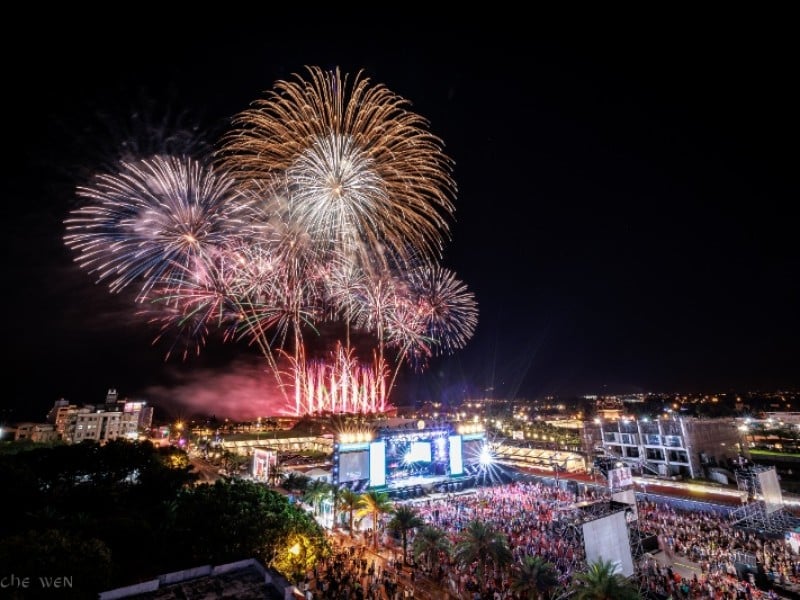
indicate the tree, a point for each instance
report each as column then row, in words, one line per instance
column 350, row 502
column 404, row 520
column 601, row 581
column 315, row 493
column 428, row 543
column 240, row 519
column 533, row 578
column 482, row 544
column 226, row 461
column 295, row 482
column 335, row 496
column 276, row 475
column 48, row 555
column 375, row 504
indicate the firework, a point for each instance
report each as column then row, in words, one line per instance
column 342, row 282
column 340, row 384
column 192, row 303
column 362, row 172
column 152, row 221
column 329, row 207
column 446, row 308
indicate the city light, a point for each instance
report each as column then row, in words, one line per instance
column 355, row 437
column 473, row 428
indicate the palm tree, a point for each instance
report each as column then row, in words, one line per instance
column 335, row 495
column 375, row 504
column 295, row 482
column 533, row 578
column 315, row 493
column 276, row 475
column 226, row 460
column 481, row 543
column 600, row 581
column 428, row 543
column 404, row 520
column 351, row 502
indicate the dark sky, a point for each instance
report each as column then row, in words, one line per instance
column 624, row 216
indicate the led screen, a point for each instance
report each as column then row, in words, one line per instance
column 420, row 452
column 377, row 463
column 456, row 464
column 353, row 466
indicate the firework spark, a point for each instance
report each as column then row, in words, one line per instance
column 191, row 303
column 447, row 309
column 363, row 173
column 329, row 207
column 152, row 221
column 340, row 384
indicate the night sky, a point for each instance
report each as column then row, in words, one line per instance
column 624, row 215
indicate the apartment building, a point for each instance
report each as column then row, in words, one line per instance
column 682, row 446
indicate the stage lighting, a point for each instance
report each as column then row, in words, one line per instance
column 485, row 457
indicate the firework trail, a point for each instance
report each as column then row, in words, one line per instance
column 340, row 384
column 194, row 302
column 153, row 221
column 329, row 205
column 446, row 308
column 362, row 172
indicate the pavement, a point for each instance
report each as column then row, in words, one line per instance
column 680, row 565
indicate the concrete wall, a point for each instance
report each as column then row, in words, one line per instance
column 131, row 590
column 185, row 575
column 271, row 578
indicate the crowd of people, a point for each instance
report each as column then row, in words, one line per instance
column 544, row 520
column 352, row 573
column 532, row 516
column 710, row 540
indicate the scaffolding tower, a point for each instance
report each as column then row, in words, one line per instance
column 569, row 527
column 764, row 512
column 754, row 516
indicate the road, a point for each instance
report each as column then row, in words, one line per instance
column 207, row 472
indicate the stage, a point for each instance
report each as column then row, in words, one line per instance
column 408, row 462
column 422, row 480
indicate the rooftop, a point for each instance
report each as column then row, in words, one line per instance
column 245, row 580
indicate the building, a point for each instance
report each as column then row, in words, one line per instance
column 245, row 444
column 62, row 416
column 245, row 580
column 103, row 425
column 553, row 460
column 113, row 419
column 143, row 413
column 36, row 432
column 678, row 446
